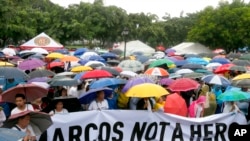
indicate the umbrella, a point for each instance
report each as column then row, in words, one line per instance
column 113, row 71
column 68, row 58
column 39, row 50
column 233, row 55
column 80, row 51
column 113, row 62
column 241, row 62
column 183, row 84
column 96, row 74
column 195, row 60
column 64, row 74
column 170, row 50
column 94, row 64
column 79, row 75
column 204, row 71
column 7, row 134
column 39, row 79
column 64, row 81
column 245, row 57
column 90, row 95
column 216, row 79
column 2, row 55
column 37, row 56
column 128, row 74
column 62, row 51
column 142, row 59
column 105, row 82
column 191, row 55
column 41, row 84
column 175, row 104
column 212, row 66
column 223, row 68
column 116, row 51
column 81, row 69
column 12, row 72
column 242, row 76
column 6, row 64
column 233, row 95
column 193, row 75
column 31, row 91
column 156, row 72
column 180, row 63
column 9, row 51
column 87, row 55
column 96, row 58
column 55, row 64
column 39, row 121
column 109, row 55
column 146, row 90
column 174, row 75
column 192, row 66
column 135, row 81
column 220, row 60
column 238, row 68
column 131, row 65
column 244, row 83
column 165, row 63
column 55, row 55
column 41, row 73
column 219, row 50
column 30, row 64
column 183, row 71
column 166, row 81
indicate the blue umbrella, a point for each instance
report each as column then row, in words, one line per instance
column 96, row 58
column 216, row 80
column 83, row 61
column 142, row 58
column 79, row 75
column 2, row 54
column 233, row 95
column 80, row 51
column 220, row 60
column 180, row 63
column 138, row 53
column 7, row 134
column 195, row 60
column 90, row 95
column 62, row 51
column 105, row 82
column 109, row 55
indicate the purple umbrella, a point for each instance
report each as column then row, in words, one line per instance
column 39, row 79
column 135, row 81
column 170, row 50
column 166, row 81
column 30, row 64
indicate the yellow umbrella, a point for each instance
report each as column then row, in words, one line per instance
column 242, row 76
column 6, row 64
column 81, row 69
column 69, row 59
column 207, row 59
column 146, row 90
column 55, row 55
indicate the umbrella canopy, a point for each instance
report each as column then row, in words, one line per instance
column 80, row 51
column 192, row 66
column 105, row 82
column 64, row 74
column 156, row 72
column 180, row 63
column 216, row 79
column 233, row 55
column 30, row 64
column 55, row 64
column 113, row 71
column 87, row 55
column 219, row 50
column 238, row 68
column 245, row 57
column 41, row 73
column 96, row 74
column 9, row 51
column 39, row 79
column 131, row 65
column 31, row 91
column 175, row 104
column 142, row 59
column 94, row 64
column 55, row 55
column 184, row 71
column 109, row 55
column 193, row 75
column 12, row 72
column 212, row 66
column 242, row 76
column 116, row 51
column 223, row 68
column 135, row 81
column 81, row 69
column 244, row 83
column 233, row 95
column 166, row 81
column 68, row 58
column 64, row 81
column 7, row 134
column 220, row 60
column 39, row 50
column 90, row 95
column 241, row 62
column 146, row 90
column 6, row 64
column 113, row 62
column 183, row 84
column 163, row 63
column 128, row 74
column 39, row 121
column 195, row 60
column 62, row 51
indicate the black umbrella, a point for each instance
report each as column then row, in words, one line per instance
column 238, row 68
column 113, row 62
column 113, row 71
column 244, row 83
column 241, row 62
column 41, row 73
column 116, row 51
column 233, row 55
column 12, row 72
column 192, row 66
column 26, row 55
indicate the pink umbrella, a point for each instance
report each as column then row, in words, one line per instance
column 183, row 84
column 30, row 64
column 31, row 91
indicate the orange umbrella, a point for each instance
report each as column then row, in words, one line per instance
column 157, row 72
column 175, row 104
column 69, row 59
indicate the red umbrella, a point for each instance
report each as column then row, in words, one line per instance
column 55, row 64
column 175, row 104
column 160, row 48
column 96, row 74
column 183, row 84
column 223, row 68
column 31, row 91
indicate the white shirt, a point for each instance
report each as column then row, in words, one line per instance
column 94, row 105
column 228, row 107
column 63, row 111
column 32, row 133
column 73, row 92
column 27, row 107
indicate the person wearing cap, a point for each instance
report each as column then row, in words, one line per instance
column 21, row 105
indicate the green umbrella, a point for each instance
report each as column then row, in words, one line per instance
column 204, row 71
column 164, row 63
column 193, row 75
column 233, row 94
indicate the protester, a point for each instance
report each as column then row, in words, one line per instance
column 58, row 109
column 159, row 105
column 21, row 105
column 230, row 107
column 145, row 104
column 100, row 103
column 196, row 108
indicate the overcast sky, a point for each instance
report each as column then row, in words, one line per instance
column 158, row 7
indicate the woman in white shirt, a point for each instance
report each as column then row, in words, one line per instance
column 59, row 109
column 230, row 107
column 99, row 103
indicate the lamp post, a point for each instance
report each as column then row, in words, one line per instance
column 124, row 34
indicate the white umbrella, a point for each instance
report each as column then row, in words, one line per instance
column 42, row 84
column 183, row 71
column 9, row 51
column 39, row 50
column 90, row 63
column 211, row 66
column 25, row 51
column 64, row 74
column 128, row 74
column 87, row 55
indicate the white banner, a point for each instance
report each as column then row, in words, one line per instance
column 128, row 125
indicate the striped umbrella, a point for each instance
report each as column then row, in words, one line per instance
column 216, row 79
column 157, row 72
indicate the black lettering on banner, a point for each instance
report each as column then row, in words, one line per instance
column 152, row 127
column 177, row 134
column 75, row 137
column 101, row 130
column 87, row 128
column 137, row 131
column 58, row 134
column 195, row 133
column 163, row 124
column 220, row 132
column 207, row 132
column 117, row 131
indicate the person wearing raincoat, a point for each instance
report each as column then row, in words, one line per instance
column 210, row 104
column 197, row 107
column 159, row 105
